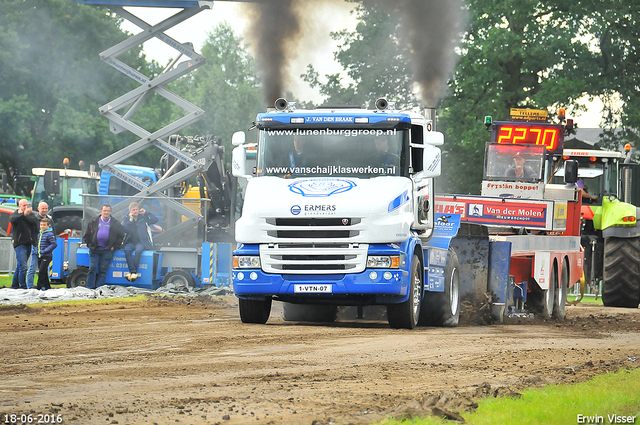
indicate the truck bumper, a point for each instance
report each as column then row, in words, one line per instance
column 371, row 286
column 371, row 281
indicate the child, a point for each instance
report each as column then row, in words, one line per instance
column 45, row 245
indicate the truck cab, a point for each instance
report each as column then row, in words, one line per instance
column 337, row 206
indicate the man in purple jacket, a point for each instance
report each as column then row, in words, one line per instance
column 103, row 236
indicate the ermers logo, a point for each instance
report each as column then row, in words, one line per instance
column 322, row 208
column 321, row 187
column 295, row 210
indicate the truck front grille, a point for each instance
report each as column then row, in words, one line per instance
column 313, row 258
column 314, row 228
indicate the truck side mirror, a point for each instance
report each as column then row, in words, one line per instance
column 434, row 138
column 432, row 161
column 238, row 138
column 239, row 162
column 571, row 171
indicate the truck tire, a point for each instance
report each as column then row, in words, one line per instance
column 443, row 308
column 254, row 311
column 549, row 295
column 309, row 313
column 179, row 278
column 70, row 222
column 561, row 293
column 78, row 277
column 621, row 271
column 406, row 315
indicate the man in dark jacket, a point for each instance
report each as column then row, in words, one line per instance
column 138, row 237
column 23, row 232
column 103, row 236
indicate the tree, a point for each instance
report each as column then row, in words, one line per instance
column 614, row 69
column 373, row 58
column 226, row 87
column 52, row 83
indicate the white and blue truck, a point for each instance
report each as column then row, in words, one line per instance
column 338, row 211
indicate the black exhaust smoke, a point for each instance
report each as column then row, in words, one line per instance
column 274, row 30
column 430, row 28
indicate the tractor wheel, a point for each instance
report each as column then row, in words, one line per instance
column 406, row 314
column 255, row 311
column 78, row 277
column 309, row 313
column 69, row 222
column 621, row 271
column 443, row 308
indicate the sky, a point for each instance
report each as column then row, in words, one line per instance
column 320, row 54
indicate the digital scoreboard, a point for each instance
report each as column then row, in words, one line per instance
column 530, row 133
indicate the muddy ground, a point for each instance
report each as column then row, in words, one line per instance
column 191, row 361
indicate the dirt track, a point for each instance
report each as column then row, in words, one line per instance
column 192, row 361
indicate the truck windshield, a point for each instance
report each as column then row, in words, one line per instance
column 514, row 162
column 328, row 152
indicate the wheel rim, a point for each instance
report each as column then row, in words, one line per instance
column 80, row 280
column 455, row 292
column 417, row 292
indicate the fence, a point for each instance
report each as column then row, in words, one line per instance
column 7, row 256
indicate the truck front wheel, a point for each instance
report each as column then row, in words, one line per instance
column 255, row 311
column 443, row 308
column 406, row 314
column 621, row 281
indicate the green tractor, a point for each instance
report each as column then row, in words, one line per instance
column 62, row 190
column 610, row 232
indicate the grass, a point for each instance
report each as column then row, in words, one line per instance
column 613, row 393
column 5, row 281
column 586, row 300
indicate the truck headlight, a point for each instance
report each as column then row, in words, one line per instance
column 246, row 262
column 383, row 261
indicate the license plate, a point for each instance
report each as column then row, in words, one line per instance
column 311, row 289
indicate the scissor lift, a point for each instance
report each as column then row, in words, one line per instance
column 119, row 115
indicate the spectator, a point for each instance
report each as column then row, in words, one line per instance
column 45, row 245
column 138, row 237
column 43, row 211
column 23, row 233
column 103, row 236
